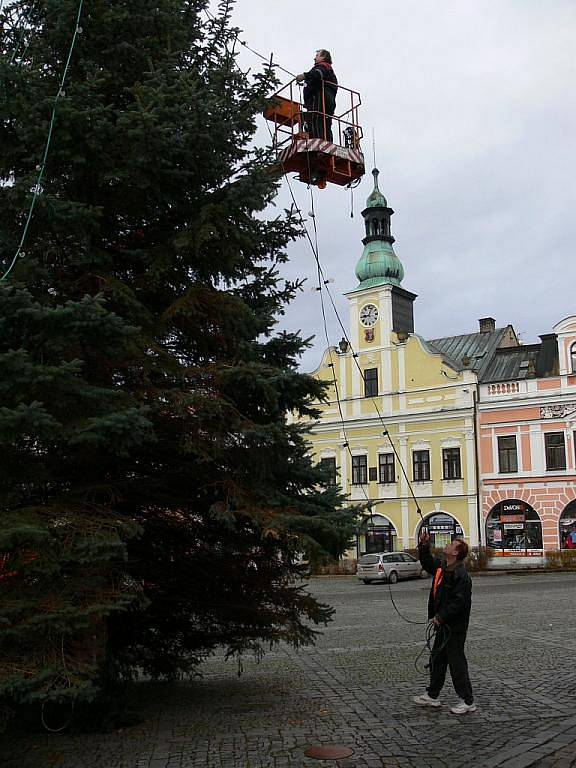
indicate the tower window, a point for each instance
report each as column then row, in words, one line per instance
column 370, row 382
column 573, row 357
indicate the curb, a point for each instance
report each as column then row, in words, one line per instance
column 473, row 574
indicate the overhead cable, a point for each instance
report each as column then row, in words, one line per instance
column 37, row 189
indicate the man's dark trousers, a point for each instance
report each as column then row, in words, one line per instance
column 451, row 655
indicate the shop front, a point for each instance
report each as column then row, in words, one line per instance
column 514, row 532
column 567, row 527
column 376, row 534
column 443, row 528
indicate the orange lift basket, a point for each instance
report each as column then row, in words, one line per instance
column 316, row 160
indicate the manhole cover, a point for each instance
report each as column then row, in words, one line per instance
column 329, row 752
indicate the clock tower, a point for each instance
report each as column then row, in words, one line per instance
column 379, row 306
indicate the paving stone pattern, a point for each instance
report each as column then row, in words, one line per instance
column 355, row 688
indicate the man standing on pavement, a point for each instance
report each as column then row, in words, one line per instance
column 449, row 610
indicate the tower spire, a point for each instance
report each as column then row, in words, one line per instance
column 378, row 264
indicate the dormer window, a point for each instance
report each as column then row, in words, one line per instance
column 573, row 357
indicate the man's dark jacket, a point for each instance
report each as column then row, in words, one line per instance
column 321, row 77
column 453, row 599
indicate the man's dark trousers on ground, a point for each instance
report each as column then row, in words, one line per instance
column 449, row 653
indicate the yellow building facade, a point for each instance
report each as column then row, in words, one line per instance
column 398, row 428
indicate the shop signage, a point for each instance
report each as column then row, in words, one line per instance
column 512, row 519
column 513, row 506
column 513, row 526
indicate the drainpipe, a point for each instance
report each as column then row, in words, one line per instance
column 476, row 398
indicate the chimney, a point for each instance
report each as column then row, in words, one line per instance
column 548, row 363
column 487, row 324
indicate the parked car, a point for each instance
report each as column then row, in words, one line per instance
column 388, row 566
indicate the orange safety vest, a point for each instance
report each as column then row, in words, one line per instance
column 437, row 581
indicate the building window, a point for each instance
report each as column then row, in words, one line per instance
column 555, row 452
column 329, row 467
column 451, row 464
column 370, row 382
column 507, row 454
column 359, row 470
column 421, row 465
column 386, row 468
column 573, row 358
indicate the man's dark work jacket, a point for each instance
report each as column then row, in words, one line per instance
column 321, row 78
column 451, row 591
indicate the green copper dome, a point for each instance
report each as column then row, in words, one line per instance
column 376, row 197
column 378, row 264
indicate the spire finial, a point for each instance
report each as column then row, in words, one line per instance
column 376, row 198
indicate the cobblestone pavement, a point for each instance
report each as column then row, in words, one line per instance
column 355, row 688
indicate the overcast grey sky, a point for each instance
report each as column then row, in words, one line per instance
column 473, row 104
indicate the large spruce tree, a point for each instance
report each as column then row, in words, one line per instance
column 154, row 496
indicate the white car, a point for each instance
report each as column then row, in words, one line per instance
column 388, row 566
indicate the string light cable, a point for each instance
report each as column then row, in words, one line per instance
column 433, row 631
column 37, row 189
column 243, row 43
column 322, row 284
column 346, row 444
column 23, row 17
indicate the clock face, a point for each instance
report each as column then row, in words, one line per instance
column 368, row 315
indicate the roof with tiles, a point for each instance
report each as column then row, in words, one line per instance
column 525, row 362
column 497, row 355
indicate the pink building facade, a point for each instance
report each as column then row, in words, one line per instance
column 526, row 435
